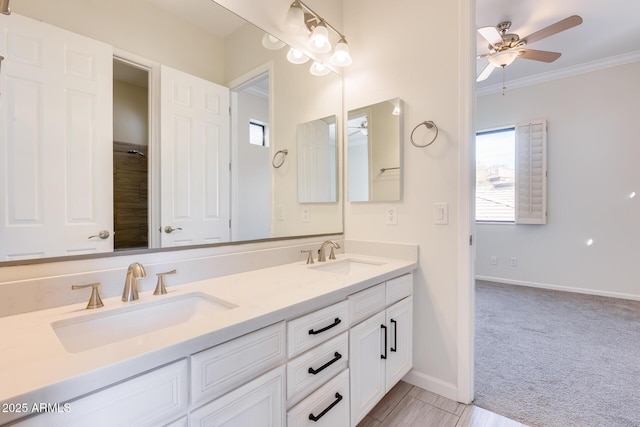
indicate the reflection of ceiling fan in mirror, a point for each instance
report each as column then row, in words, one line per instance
column 363, row 128
column 505, row 47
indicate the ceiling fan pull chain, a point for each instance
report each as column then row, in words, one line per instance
column 504, row 86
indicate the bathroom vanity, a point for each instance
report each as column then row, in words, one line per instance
column 293, row 344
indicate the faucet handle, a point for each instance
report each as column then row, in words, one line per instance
column 94, row 300
column 309, row 256
column 161, row 287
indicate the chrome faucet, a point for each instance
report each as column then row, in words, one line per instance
column 131, row 285
column 321, row 253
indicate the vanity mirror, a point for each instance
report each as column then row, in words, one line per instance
column 374, row 154
column 195, row 169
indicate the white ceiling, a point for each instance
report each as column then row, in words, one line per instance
column 611, row 30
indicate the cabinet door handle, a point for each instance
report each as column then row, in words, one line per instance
column 335, row 323
column 315, row 418
column 395, row 336
column 336, row 356
column 384, row 356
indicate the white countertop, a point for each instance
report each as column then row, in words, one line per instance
column 36, row 368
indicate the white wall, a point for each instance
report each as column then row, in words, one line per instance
column 396, row 53
column 130, row 113
column 136, row 27
column 593, row 155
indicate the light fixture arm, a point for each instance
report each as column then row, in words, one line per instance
column 317, row 17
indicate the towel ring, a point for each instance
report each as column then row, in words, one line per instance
column 281, row 162
column 429, row 125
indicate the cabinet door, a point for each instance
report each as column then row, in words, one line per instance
column 400, row 344
column 259, row 403
column 367, row 366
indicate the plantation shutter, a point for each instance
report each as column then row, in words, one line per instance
column 531, row 173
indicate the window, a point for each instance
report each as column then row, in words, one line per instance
column 495, row 175
column 511, row 174
column 258, row 133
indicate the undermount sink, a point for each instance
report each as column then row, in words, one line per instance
column 346, row 266
column 101, row 328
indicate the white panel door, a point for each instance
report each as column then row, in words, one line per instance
column 367, row 365
column 55, row 140
column 400, row 344
column 194, row 141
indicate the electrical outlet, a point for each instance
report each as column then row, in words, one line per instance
column 280, row 212
column 305, row 214
column 494, row 260
column 514, row 261
column 392, row 215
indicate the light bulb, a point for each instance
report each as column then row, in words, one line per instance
column 295, row 17
column 319, row 40
column 319, row 69
column 270, row 42
column 296, row 57
column 341, row 57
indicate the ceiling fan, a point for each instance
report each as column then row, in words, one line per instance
column 362, row 128
column 505, row 47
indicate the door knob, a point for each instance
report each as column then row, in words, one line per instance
column 170, row 229
column 103, row 234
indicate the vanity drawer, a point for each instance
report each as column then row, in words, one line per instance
column 314, row 328
column 399, row 288
column 328, row 406
column 147, row 400
column 310, row 370
column 366, row 303
column 224, row 367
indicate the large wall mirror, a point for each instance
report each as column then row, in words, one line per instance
column 152, row 124
column 374, row 152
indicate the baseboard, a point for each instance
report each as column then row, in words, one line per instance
column 432, row 384
column 620, row 295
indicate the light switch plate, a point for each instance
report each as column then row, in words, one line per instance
column 305, row 215
column 441, row 213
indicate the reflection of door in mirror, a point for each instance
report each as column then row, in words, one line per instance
column 251, row 180
column 358, row 155
column 194, row 156
column 373, row 150
column 56, row 180
column 316, row 145
column 131, row 156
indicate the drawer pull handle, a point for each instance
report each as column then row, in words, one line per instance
column 335, row 323
column 336, row 356
column 384, row 356
column 395, row 336
column 315, row 418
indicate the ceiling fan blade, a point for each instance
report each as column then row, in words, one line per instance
column 538, row 55
column 552, row 29
column 484, row 75
column 491, row 35
column 484, row 55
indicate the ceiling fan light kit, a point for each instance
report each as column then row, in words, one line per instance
column 505, row 47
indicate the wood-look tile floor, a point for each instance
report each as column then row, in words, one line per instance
column 406, row 405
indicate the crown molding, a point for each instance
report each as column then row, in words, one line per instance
column 588, row 67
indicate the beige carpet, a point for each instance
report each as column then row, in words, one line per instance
column 557, row 359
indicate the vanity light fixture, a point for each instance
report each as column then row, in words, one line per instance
column 272, row 43
column 301, row 16
column 4, row 7
column 296, row 57
column 319, row 69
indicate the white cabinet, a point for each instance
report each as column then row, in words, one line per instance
column 380, row 348
column 328, row 406
column 151, row 399
column 222, row 368
column 256, row 404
